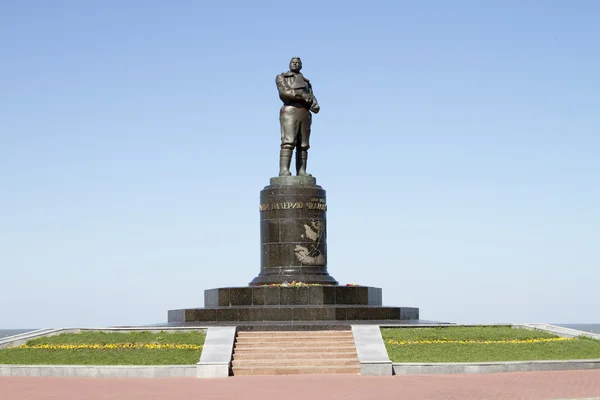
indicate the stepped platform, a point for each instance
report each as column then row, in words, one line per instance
column 244, row 306
column 299, row 325
column 291, row 353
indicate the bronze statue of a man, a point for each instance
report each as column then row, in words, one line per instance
column 295, row 117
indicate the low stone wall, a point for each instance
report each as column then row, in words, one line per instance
column 493, row 367
column 96, row 371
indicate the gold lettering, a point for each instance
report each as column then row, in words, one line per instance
column 288, row 205
column 316, row 206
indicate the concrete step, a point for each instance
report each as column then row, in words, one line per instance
column 241, row 334
column 245, row 339
column 259, row 355
column 295, row 370
column 316, row 362
column 295, row 343
column 294, row 352
column 294, row 349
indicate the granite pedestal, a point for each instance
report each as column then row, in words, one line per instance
column 312, row 303
column 293, row 238
column 293, row 232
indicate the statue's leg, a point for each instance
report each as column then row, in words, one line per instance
column 287, row 121
column 303, row 145
column 285, row 158
column 298, row 157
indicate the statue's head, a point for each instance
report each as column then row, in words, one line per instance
column 295, row 64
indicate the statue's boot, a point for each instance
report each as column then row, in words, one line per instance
column 301, row 158
column 285, row 158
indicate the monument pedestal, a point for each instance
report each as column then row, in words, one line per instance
column 298, row 304
column 293, row 234
column 293, row 239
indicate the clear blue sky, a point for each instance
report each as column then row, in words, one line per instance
column 458, row 142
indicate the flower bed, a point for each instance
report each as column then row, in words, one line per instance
column 480, row 344
column 98, row 348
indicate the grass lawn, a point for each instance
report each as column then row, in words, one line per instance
column 529, row 345
column 73, row 349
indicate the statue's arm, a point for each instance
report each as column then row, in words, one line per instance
column 285, row 93
column 314, row 105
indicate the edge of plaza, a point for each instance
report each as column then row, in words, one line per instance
column 216, row 358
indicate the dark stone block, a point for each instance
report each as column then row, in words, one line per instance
column 176, row 316
column 258, row 296
column 294, row 313
column 303, row 314
column 255, row 314
column 345, row 295
column 201, row 314
column 341, row 314
column 414, row 314
column 286, row 295
column 243, row 314
column 278, row 314
column 270, row 254
column 293, row 296
column 278, row 255
column 269, row 231
column 315, row 295
column 272, row 296
column 328, row 294
column 380, row 313
column 241, row 296
column 292, row 230
column 375, row 313
column 374, row 296
column 351, row 313
column 288, row 259
column 408, row 313
column 324, row 313
column 209, row 298
column 364, row 313
column 362, row 295
column 227, row 314
column 404, row 313
column 223, row 297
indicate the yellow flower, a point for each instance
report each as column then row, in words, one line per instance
column 504, row 341
column 113, row 346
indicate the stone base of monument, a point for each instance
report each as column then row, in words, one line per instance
column 340, row 304
column 293, row 232
column 293, row 238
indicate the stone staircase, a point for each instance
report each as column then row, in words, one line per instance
column 294, row 352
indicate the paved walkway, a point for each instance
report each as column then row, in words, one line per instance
column 522, row 385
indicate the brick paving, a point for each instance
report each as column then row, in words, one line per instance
column 521, row 385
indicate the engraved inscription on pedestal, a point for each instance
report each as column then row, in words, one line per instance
column 293, row 235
